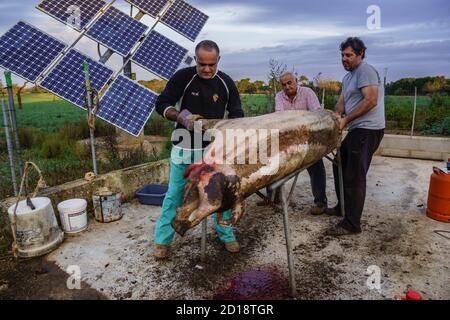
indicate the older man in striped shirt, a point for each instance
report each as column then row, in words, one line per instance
column 296, row 97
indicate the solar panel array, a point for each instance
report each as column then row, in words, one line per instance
column 76, row 13
column 150, row 7
column 185, row 19
column 117, row 31
column 127, row 105
column 27, row 51
column 67, row 80
column 159, row 55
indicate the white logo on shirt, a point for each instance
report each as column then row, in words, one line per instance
column 195, row 94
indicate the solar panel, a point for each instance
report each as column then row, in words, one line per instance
column 67, row 80
column 151, row 7
column 117, row 31
column 75, row 13
column 185, row 19
column 160, row 55
column 27, row 52
column 127, row 105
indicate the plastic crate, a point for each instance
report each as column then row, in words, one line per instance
column 152, row 194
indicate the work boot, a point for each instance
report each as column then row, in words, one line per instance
column 335, row 211
column 318, row 209
column 160, row 251
column 232, row 246
column 339, row 230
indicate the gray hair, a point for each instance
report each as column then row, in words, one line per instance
column 288, row 73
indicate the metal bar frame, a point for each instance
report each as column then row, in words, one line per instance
column 280, row 185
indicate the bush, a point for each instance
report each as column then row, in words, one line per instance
column 102, row 129
column 330, row 101
column 437, row 101
column 446, row 126
column 74, row 131
column 54, row 147
column 27, row 137
column 158, row 126
column 3, row 146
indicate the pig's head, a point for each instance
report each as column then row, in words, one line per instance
column 209, row 189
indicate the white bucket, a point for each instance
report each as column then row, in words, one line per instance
column 73, row 215
column 37, row 231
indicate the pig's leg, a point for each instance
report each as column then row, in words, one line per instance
column 236, row 213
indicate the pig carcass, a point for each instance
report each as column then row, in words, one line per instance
column 230, row 171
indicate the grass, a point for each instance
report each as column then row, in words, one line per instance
column 46, row 113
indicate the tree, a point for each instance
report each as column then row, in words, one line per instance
column 259, row 86
column 245, row 86
column 303, row 80
column 276, row 69
column 435, row 85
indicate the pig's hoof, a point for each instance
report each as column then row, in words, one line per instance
column 226, row 223
column 181, row 226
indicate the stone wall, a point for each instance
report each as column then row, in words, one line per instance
column 127, row 181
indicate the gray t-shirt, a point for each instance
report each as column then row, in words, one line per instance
column 364, row 75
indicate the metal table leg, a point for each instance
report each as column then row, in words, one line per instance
column 287, row 233
column 341, row 182
column 203, row 245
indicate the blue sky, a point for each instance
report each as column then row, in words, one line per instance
column 414, row 39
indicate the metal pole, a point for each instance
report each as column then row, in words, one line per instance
column 341, row 182
column 9, row 144
column 323, row 98
column 89, row 107
column 414, row 114
column 287, row 233
column 203, row 244
column 12, row 111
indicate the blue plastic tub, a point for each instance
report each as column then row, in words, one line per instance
column 152, row 194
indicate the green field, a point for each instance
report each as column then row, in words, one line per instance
column 47, row 114
column 49, row 128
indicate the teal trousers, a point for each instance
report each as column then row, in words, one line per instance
column 180, row 159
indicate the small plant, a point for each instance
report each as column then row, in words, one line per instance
column 53, row 147
column 27, row 137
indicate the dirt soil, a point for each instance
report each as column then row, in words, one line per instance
column 116, row 259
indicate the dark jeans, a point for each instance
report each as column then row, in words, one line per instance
column 357, row 150
column 318, row 184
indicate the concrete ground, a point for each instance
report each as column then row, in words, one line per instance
column 116, row 259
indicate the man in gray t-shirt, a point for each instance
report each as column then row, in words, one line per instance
column 361, row 107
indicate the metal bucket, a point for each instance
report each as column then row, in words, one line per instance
column 37, row 231
column 107, row 206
